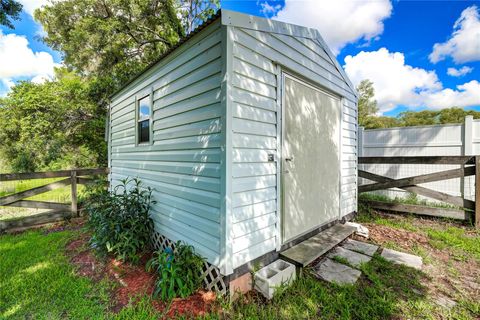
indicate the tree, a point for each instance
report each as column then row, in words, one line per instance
column 9, row 10
column 110, row 40
column 432, row 117
column 367, row 105
column 418, row 118
column 194, row 12
column 456, row 115
column 54, row 125
column 381, row 122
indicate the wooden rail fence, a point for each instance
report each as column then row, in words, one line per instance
column 470, row 166
column 56, row 211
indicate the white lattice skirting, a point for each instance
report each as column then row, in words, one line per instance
column 212, row 279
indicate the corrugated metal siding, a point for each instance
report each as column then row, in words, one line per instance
column 183, row 164
column 254, row 95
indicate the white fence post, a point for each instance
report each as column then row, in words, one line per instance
column 468, row 136
column 360, row 141
column 467, row 151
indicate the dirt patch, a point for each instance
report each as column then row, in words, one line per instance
column 132, row 281
column 72, row 224
column 381, row 234
column 450, row 279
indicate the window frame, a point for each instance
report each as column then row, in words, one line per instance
column 140, row 96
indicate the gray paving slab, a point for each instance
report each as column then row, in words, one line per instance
column 358, row 246
column 307, row 251
column 402, row 258
column 353, row 258
column 335, row 272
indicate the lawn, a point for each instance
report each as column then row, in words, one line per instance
column 38, row 280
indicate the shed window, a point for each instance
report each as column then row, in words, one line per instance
column 144, row 120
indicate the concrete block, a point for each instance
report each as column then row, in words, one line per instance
column 362, row 247
column 335, row 272
column 355, row 259
column 270, row 277
column 403, row 258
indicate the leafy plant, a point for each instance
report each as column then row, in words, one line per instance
column 120, row 219
column 179, row 271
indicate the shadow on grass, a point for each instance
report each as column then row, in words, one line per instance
column 37, row 281
column 378, row 294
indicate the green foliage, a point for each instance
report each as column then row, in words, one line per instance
column 179, row 271
column 112, row 40
column 432, row 117
column 367, row 105
column 50, row 126
column 194, row 12
column 120, row 219
column 9, row 10
column 367, row 109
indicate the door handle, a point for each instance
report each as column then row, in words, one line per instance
column 289, row 158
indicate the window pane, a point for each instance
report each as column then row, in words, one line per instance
column 144, row 109
column 144, row 131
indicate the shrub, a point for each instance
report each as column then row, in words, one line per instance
column 179, row 271
column 120, row 219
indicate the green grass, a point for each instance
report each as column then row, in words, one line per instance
column 411, row 198
column 456, row 239
column 37, row 281
column 142, row 310
column 461, row 240
column 381, row 293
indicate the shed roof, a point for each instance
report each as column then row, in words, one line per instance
column 238, row 19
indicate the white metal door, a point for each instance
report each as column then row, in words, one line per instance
column 310, row 157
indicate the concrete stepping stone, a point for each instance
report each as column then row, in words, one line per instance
column 361, row 247
column 355, row 259
column 402, row 258
column 445, row 302
column 335, row 272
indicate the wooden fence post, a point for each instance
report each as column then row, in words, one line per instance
column 73, row 178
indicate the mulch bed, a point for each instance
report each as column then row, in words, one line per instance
column 132, row 281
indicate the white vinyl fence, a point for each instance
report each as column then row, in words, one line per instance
column 438, row 140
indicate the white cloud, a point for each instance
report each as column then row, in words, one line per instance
column 454, row 72
column 468, row 94
column 268, row 9
column 31, row 5
column 464, row 44
column 340, row 22
column 19, row 61
column 5, row 86
column 397, row 83
column 41, row 79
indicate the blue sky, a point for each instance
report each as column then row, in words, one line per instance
column 405, row 47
